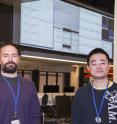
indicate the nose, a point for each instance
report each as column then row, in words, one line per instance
column 10, row 58
column 98, row 66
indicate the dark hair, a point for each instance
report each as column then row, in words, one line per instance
column 96, row 51
column 11, row 44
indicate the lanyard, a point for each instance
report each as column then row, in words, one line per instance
column 98, row 111
column 15, row 98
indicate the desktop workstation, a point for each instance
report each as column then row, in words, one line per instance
column 55, row 106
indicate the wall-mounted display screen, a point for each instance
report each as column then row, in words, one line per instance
column 37, row 23
column 61, row 26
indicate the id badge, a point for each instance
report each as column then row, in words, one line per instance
column 15, row 121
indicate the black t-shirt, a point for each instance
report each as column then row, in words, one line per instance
column 13, row 81
column 83, row 110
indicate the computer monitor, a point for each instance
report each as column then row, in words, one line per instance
column 69, row 89
column 51, row 89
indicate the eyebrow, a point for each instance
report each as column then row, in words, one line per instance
column 102, row 60
column 5, row 54
column 8, row 54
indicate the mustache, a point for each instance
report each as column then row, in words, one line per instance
column 10, row 63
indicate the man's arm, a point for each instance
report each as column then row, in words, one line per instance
column 35, row 108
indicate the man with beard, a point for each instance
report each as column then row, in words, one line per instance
column 19, row 103
column 96, row 102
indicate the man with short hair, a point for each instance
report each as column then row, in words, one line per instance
column 96, row 102
column 19, row 103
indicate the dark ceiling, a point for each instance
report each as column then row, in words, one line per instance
column 105, row 5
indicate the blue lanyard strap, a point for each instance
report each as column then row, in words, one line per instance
column 98, row 111
column 15, row 98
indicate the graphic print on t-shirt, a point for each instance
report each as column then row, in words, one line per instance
column 112, row 105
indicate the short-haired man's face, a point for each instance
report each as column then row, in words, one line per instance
column 9, row 59
column 98, row 66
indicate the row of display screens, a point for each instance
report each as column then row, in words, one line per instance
column 55, row 89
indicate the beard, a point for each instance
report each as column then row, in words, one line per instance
column 9, row 67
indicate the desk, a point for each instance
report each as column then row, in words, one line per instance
column 60, row 113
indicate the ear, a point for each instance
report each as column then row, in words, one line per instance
column 18, row 59
column 109, row 66
column 88, row 67
column 0, row 60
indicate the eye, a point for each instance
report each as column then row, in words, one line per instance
column 93, row 64
column 14, row 55
column 5, row 55
column 103, row 63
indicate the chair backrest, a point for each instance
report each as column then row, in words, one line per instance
column 45, row 99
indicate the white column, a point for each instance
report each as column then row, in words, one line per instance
column 115, row 43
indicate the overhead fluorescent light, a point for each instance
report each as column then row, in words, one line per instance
column 53, row 59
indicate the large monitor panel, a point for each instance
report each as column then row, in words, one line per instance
column 61, row 26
